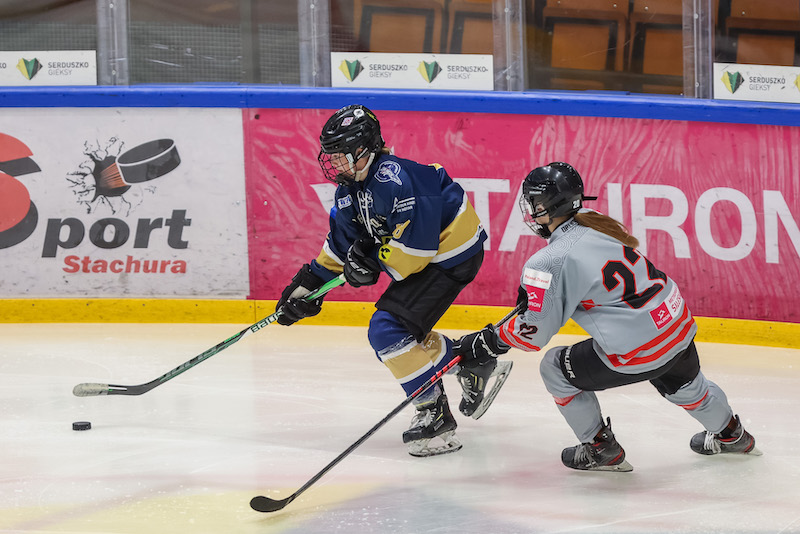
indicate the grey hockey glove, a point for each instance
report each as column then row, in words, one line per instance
column 479, row 347
column 292, row 305
column 361, row 268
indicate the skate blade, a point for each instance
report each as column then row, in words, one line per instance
column 754, row 452
column 500, row 373
column 624, row 467
column 422, row 449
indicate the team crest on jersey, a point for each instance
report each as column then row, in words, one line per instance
column 536, row 283
column 344, row 202
column 389, row 171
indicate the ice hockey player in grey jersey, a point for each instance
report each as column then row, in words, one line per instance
column 640, row 326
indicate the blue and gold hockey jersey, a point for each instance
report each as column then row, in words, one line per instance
column 417, row 213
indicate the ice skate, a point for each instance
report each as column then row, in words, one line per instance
column 473, row 384
column 740, row 442
column 432, row 422
column 602, row 454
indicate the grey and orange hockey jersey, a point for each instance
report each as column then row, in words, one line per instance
column 417, row 212
column 634, row 312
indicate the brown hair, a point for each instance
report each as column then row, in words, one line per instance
column 607, row 225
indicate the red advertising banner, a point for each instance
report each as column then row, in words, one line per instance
column 715, row 206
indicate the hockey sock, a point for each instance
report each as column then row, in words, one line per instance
column 728, row 431
column 429, row 396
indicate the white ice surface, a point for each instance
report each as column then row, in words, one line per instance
column 265, row 415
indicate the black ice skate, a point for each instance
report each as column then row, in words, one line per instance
column 473, row 384
column 740, row 442
column 433, row 421
column 603, row 454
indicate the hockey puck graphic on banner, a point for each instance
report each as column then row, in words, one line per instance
column 148, row 161
column 81, row 425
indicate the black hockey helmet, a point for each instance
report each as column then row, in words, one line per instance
column 555, row 190
column 353, row 131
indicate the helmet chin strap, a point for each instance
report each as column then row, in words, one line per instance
column 362, row 174
column 543, row 230
column 357, row 175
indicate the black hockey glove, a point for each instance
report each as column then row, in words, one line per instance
column 360, row 267
column 522, row 299
column 479, row 347
column 292, row 305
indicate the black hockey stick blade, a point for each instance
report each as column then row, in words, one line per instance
column 93, row 389
column 265, row 504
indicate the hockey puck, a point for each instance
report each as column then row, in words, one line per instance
column 81, row 425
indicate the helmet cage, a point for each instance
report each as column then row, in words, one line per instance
column 334, row 173
column 354, row 132
column 530, row 212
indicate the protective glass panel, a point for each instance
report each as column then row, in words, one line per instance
column 48, row 25
column 615, row 45
column 239, row 41
column 758, row 32
column 412, row 26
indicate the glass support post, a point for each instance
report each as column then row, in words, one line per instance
column 508, row 18
column 698, row 56
column 315, row 44
column 251, row 58
column 112, row 42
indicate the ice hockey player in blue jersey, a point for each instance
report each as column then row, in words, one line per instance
column 415, row 224
column 640, row 325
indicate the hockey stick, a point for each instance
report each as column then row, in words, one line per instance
column 93, row 389
column 265, row 504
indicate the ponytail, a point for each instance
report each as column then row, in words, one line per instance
column 607, row 225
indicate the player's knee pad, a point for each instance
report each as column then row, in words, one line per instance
column 690, row 394
column 398, row 349
column 386, row 331
column 552, row 376
column 437, row 346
